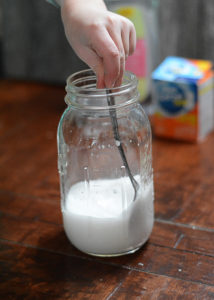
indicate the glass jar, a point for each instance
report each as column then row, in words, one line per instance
column 105, row 167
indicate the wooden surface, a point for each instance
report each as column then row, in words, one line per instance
column 36, row 259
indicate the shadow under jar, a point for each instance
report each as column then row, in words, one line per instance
column 105, row 167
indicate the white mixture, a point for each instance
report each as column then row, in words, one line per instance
column 102, row 218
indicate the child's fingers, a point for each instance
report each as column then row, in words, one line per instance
column 91, row 58
column 107, row 50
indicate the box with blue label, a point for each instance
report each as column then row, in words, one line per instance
column 183, row 96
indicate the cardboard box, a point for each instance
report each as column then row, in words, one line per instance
column 183, row 99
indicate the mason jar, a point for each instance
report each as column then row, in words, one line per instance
column 105, row 167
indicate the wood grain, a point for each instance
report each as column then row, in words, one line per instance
column 36, row 259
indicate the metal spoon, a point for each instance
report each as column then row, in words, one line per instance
column 113, row 116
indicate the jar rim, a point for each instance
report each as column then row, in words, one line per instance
column 83, row 94
column 74, row 79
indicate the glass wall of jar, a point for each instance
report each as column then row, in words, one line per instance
column 105, row 167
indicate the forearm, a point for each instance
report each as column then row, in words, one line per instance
column 76, row 3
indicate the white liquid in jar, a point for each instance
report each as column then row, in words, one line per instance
column 102, row 218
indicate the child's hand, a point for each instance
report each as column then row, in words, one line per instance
column 103, row 40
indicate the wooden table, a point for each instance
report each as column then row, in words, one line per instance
column 36, row 259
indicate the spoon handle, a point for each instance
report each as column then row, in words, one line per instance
column 113, row 116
